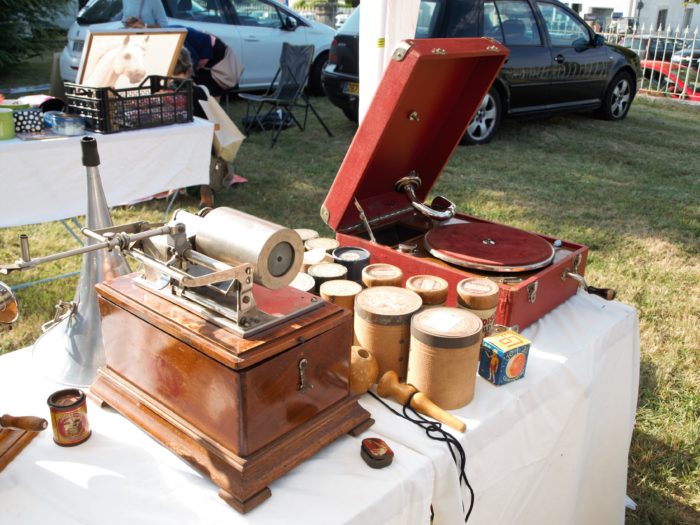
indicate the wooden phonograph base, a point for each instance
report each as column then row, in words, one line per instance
column 242, row 411
column 12, row 442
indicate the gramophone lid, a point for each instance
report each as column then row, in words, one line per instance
column 427, row 114
column 446, row 327
column 306, row 233
column 387, row 305
column 382, row 274
column 477, row 293
column 326, row 243
column 432, row 289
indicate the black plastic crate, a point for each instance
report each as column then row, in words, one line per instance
column 157, row 101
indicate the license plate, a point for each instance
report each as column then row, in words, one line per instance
column 78, row 46
column 351, row 88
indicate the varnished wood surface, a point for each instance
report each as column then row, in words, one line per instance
column 219, row 343
column 12, row 441
column 243, row 480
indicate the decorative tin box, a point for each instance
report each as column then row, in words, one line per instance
column 503, row 357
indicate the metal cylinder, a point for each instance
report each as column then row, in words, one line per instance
column 234, row 237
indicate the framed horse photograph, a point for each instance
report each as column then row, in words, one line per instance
column 123, row 59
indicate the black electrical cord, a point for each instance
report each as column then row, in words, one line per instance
column 433, row 430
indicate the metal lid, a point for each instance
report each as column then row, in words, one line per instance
column 387, row 305
column 350, row 253
column 446, row 327
column 478, row 293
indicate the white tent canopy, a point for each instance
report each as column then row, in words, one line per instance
column 383, row 23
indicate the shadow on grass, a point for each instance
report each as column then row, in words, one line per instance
column 658, row 470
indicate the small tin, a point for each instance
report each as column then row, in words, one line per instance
column 354, row 259
column 376, row 453
column 69, row 417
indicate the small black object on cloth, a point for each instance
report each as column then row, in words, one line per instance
column 376, row 453
column 434, row 430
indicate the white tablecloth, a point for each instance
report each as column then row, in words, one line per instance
column 550, row 448
column 44, row 180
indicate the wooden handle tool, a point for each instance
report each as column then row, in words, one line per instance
column 31, row 423
column 389, row 386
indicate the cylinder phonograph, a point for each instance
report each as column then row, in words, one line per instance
column 207, row 349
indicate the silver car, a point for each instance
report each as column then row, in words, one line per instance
column 254, row 29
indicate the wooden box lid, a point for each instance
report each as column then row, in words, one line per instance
column 423, row 104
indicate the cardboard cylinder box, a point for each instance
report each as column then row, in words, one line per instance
column 381, row 274
column 444, row 355
column 432, row 290
column 479, row 295
column 383, row 325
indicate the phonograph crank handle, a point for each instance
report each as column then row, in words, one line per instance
column 31, row 423
column 606, row 293
column 389, row 386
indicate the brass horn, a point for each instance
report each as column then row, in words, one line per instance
column 70, row 350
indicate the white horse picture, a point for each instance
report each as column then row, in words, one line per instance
column 125, row 59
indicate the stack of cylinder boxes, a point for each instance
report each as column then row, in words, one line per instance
column 437, row 349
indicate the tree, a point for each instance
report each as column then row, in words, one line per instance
column 26, row 28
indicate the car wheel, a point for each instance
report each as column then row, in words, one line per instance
column 315, row 81
column 618, row 97
column 483, row 126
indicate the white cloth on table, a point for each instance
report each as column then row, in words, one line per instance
column 44, row 180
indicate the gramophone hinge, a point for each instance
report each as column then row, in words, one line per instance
column 439, row 51
column 303, row 381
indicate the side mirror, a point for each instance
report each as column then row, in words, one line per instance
column 598, row 40
column 289, row 23
column 9, row 309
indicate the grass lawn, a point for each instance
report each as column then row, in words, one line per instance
column 628, row 190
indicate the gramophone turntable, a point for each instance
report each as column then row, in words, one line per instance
column 428, row 94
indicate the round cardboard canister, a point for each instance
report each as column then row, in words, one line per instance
column 306, row 234
column 480, row 296
column 326, row 272
column 382, row 274
column 326, row 243
column 315, row 256
column 304, row 282
column 383, row 325
column 354, row 259
column 341, row 292
column 477, row 293
column 444, row 355
column 433, row 290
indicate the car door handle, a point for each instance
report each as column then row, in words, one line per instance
column 559, row 59
column 251, row 38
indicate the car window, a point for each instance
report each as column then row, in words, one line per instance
column 256, row 13
column 351, row 25
column 462, row 18
column 518, row 25
column 491, row 22
column 100, row 12
column 564, row 29
column 212, row 11
column 427, row 18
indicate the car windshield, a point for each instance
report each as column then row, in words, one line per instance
column 100, row 11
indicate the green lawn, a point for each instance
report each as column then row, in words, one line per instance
column 628, row 190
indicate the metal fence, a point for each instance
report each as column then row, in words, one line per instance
column 669, row 60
